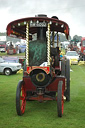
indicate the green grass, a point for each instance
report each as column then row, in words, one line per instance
column 43, row 115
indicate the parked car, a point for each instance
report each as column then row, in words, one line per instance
column 8, row 68
column 2, row 46
column 73, row 56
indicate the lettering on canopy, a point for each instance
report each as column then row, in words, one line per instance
column 38, row 24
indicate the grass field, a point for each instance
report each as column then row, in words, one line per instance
column 43, row 115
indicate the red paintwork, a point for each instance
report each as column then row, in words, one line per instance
column 23, row 99
column 15, row 30
column 41, row 98
column 54, row 85
column 28, row 85
column 31, row 68
column 82, row 48
column 13, row 51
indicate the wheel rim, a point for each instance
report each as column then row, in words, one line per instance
column 22, row 100
column 7, row 72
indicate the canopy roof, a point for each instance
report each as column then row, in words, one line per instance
column 17, row 28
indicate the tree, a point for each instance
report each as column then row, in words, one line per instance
column 63, row 37
column 77, row 38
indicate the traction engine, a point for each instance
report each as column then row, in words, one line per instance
column 45, row 75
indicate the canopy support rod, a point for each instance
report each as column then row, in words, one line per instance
column 57, row 39
column 48, row 46
column 27, row 44
column 53, row 38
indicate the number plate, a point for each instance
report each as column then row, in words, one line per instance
column 40, row 24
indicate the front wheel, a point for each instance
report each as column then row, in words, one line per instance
column 60, row 100
column 20, row 98
column 7, row 72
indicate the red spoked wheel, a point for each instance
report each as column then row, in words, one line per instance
column 60, row 100
column 20, row 98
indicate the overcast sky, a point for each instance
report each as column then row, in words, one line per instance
column 70, row 11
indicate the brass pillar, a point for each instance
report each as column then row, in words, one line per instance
column 27, row 44
column 48, row 46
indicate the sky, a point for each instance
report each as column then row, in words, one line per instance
column 70, row 11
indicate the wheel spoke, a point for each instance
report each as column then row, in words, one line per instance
column 22, row 98
column 23, row 103
column 23, row 106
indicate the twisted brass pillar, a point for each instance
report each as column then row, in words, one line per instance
column 48, row 46
column 27, row 44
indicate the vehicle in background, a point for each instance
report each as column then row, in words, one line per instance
column 11, row 59
column 82, row 51
column 22, row 48
column 65, row 44
column 8, row 68
column 73, row 46
column 2, row 46
column 11, row 49
column 72, row 56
